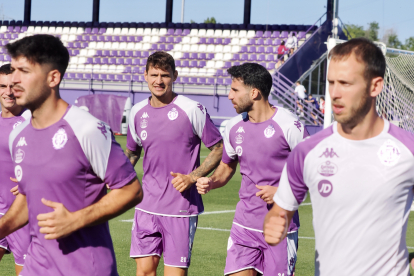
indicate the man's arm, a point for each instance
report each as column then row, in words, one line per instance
column 220, row 177
column 16, row 217
column 61, row 223
column 276, row 224
column 183, row 182
column 133, row 156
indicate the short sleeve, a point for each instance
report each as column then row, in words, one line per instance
column 133, row 140
column 292, row 188
column 296, row 133
column 229, row 154
column 203, row 127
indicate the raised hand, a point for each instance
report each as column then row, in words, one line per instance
column 181, row 182
column 275, row 228
column 266, row 193
column 203, row 185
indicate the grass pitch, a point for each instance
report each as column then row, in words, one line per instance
column 210, row 244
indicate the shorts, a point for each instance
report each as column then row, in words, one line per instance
column 247, row 249
column 156, row 235
column 17, row 243
column 279, row 56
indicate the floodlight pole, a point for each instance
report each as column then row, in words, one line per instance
column 247, row 11
column 27, row 10
column 182, row 10
column 95, row 11
column 169, row 11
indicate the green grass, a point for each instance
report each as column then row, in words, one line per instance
column 209, row 251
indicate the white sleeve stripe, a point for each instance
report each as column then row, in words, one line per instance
column 14, row 134
column 131, row 124
column 196, row 113
column 226, row 136
column 283, row 204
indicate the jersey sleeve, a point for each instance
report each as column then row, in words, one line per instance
column 295, row 134
column 229, row 154
column 292, row 188
column 203, row 126
column 133, row 140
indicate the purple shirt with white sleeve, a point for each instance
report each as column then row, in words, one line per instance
column 68, row 162
column 262, row 150
column 361, row 193
column 6, row 164
column 171, row 138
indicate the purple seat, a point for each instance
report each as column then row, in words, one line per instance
column 219, row 72
column 277, row 42
column 7, row 58
column 95, row 31
column 89, row 61
column 261, row 57
column 170, row 39
column 96, row 61
column 178, row 32
column 78, row 76
column 210, row 56
column 193, row 63
column 186, row 32
column 121, row 53
column 193, row 56
column 184, row 80
column 102, row 30
column 210, row 40
column 210, row 81
column 88, row 30
column 244, row 57
column 143, row 62
column 70, row 44
column 10, row 29
column 83, row 38
column 202, row 56
column 100, row 38
column 128, row 53
column 135, row 78
column 23, row 29
column 127, row 70
column 130, row 38
column 127, row 77
column 252, row 41
column 141, row 77
column 93, row 38
column 178, row 80
column 98, row 53
column 116, row 38
column 95, row 76
column 284, row 34
column 71, row 76
column 123, row 38
column 119, row 77
column 113, row 53
column 219, row 40
column 270, row 58
column 301, row 35
column 119, row 61
column 136, row 54
column 275, row 34
column 236, row 63
column 15, row 36
column 87, row 76
column 260, row 41
column 263, row 64
column 185, row 56
column 169, row 47
column 252, row 49
column 106, row 53
column 17, row 29
column 192, row 80
column 135, row 70
column 184, row 63
column 145, row 54
column 260, row 49
column 170, row 32
column 2, row 51
column 178, row 39
column 227, row 41
column 84, row 44
column 202, row 81
column 77, row 45
column 177, row 63
column 259, row 34
column 252, row 57
column 220, row 81
column 227, row 81
column 243, row 49
column 135, row 62
column 7, row 36
column 202, row 40
column 66, row 76
column 138, row 39
column 201, row 64
column 111, row 77
column 227, row 64
column 154, row 47
column 161, row 47
column 112, row 61
column 108, row 38
column 267, row 34
column 162, row 39
column 104, row 61
column 235, row 57
column 268, row 41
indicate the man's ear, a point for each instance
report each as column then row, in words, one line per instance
column 376, row 86
column 54, row 77
column 255, row 94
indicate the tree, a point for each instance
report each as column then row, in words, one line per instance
column 391, row 39
column 409, row 44
column 210, row 20
column 372, row 32
column 354, row 31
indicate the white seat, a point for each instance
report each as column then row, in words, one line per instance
column 109, row 31
column 155, row 31
column 186, row 40
column 81, row 60
column 202, row 32
column 72, row 67
column 132, row 31
column 92, row 45
column 117, row 31
column 73, row 30
column 186, row 48
column 73, row 60
column 210, row 33
column 185, row 71
column 243, row 41
column 45, row 30
column 51, row 30
column 251, row 34
column 140, row 31
column 193, row 71
column 194, row 40
column 210, row 48
column 155, row 39
column 3, row 29
column 124, row 31
column 202, row 48
column 90, row 53
column 235, row 49
column 211, row 72
column 81, row 68
column 104, row 68
column 219, row 64
column 177, row 55
column 130, row 46
column 227, row 55
column 107, row 45
column 218, row 33
column 218, row 49
column 138, row 46
column 235, row 41
column 84, row 52
column 80, row 30
column 210, row 64
column 202, row 71
column 234, row 33
column 226, row 33
column 64, row 37
column 193, row 48
column 59, row 30
column 88, row 68
column 37, row 30
column 120, row 68
column 218, row 56
column 243, row 33
column 163, row 31
column 226, row 49
column 21, row 35
column 72, row 37
column 147, row 31
column 122, row 46
column 178, row 69
column 194, row 32
column 65, row 30
column 146, row 38
column 146, row 46
column 100, row 45
column 96, row 68
column 114, row 46
column 178, row 47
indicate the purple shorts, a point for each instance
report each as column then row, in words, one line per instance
column 247, row 249
column 17, row 243
column 156, row 235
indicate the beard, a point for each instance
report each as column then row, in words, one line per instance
column 35, row 99
column 358, row 112
column 245, row 105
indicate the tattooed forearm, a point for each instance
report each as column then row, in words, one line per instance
column 210, row 163
column 133, row 156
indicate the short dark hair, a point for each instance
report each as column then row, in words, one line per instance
column 162, row 60
column 253, row 75
column 365, row 52
column 42, row 49
column 5, row 69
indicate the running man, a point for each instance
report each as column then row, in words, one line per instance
column 170, row 129
column 63, row 157
column 11, row 115
column 260, row 139
column 359, row 173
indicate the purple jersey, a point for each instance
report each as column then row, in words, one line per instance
column 6, row 164
column 171, row 137
column 69, row 162
column 262, row 150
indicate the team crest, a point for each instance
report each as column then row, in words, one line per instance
column 16, row 124
column 239, row 139
column 18, row 172
column 59, row 139
column 269, row 131
column 19, row 156
column 144, row 123
column 144, row 135
column 389, row 153
column 239, row 150
column 173, row 114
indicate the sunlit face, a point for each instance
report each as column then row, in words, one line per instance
column 159, row 81
column 239, row 96
column 7, row 99
column 29, row 80
column 349, row 91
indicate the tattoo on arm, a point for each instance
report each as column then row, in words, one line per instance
column 133, row 156
column 210, row 163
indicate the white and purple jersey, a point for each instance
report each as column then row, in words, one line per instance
column 171, row 138
column 69, row 162
column 361, row 194
column 262, row 150
column 6, row 164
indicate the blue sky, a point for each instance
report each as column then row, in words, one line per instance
column 396, row 14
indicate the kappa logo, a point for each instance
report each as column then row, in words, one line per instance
column 240, row 130
column 329, row 154
column 298, row 125
column 22, row 142
column 102, row 128
column 145, row 115
column 201, row 107
column 59, row 139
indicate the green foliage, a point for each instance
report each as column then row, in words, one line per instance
column 409, row 44
column 372, row 32
column 394, row 42
column 210, row 20
column 354, row 31
column 192, row 21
